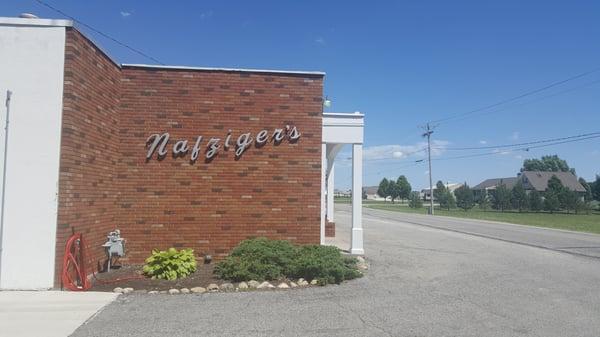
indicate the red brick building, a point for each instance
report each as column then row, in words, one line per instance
column 182, row 157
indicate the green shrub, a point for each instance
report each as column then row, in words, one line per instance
column 257, row 259
column 326, row 264
column 263, row 259
column 170, row 264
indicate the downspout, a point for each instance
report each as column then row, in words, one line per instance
column 8, row 95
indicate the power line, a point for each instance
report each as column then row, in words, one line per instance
column 556, row 141
column 527, row 148
column 585, row 85
column 137, row 51
column 514, row 98
column 517, row 144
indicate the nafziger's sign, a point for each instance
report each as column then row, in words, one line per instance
column 159, row 143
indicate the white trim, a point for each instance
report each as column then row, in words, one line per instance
column 239, row 70
column 6, row 21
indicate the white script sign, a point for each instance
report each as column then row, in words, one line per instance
column 159, row 143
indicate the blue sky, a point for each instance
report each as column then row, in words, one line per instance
column 400, row 63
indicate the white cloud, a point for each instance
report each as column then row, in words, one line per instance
column 206, row 15
column 518, row 156
column 515, row 135
column 320, row 40
column 396, row 151
column 483, row 142
column 125, row 14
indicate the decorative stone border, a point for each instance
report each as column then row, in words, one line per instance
column 242, row 286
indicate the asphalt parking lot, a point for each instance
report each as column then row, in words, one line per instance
column 423, row 281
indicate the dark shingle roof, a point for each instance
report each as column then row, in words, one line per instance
column 371, row 189
column 538, row 180
column 492, row 183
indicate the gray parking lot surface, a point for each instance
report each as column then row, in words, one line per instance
column 423, row 281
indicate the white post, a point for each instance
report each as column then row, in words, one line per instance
column 356, row 247
column 323, row 190
column 330, row 186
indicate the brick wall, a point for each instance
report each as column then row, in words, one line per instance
column 270, row 191
column 89, row 148
column 107, row 183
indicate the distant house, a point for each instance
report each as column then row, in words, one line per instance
column 371, row 192
column 532, row 181
column 538, row 180
column 490, row 184
column 425, row 195
column 342, row 193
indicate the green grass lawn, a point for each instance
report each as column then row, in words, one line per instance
column 575, row 222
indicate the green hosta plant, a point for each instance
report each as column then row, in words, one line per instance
column 170, row 264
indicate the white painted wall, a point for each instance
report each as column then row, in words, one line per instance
column 32, row 67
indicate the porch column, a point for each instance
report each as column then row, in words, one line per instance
column 356, row 246
column 323, row 190
column 330, row 186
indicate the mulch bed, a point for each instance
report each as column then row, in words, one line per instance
column 131, row 276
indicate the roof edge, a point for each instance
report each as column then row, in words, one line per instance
column 235, row 70
column 8, row 21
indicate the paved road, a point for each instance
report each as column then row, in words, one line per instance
column 567, row 241
column 423, row 281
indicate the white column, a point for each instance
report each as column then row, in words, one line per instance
column 356, row 246
column 323, row 190
column 330, row 186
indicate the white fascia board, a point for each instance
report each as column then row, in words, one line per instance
column 6, row 21
column 242, row 70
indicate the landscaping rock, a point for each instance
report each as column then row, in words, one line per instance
column 243, row 286
column 362, row 264
column 152, row 292
column 253, row 284
column 118, row 290
column 127, row 290
column 163, row 291
column 173, row 291
column 140, row 291
column 212, row 287
column 265, row 285
column 184, row 290
column 227, row 287
column 198, row 290
column 293, row 285
column 314, row 282
column 283, row 285
column 302, row 282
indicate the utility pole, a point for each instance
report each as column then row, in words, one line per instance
column 8, row 95
column 427, row 134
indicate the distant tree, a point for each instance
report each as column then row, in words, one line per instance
column 464, row 197
column 519, row 199
column 384, row 188
column 536, row 203
column 415, row 200
column 394, row 190
column 595, row 188
column 551, row 202
column 569, row 200
column 364, row 194
column 403, row 187
column 501, row 199
column 447, row 200
column 588, row 190
column 554, row 185
column 439, row 191
column 547, row 164
column 484, row 202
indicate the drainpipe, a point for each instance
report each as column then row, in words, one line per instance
column 8, row 95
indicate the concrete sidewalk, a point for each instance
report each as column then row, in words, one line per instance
column 48, row 313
